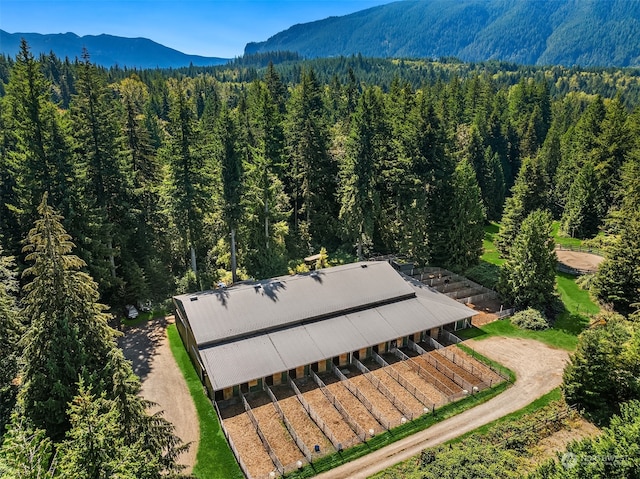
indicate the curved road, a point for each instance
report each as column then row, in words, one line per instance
column 538, row 370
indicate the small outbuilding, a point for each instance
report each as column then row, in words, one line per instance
column 241, row 336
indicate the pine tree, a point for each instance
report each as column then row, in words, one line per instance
column 602, row 372
column 145, row 258
column 68, row 336
column 529, row 193
column 429, row 180
column 494, row 185
column 467, row 217
column 98, row 444
column 188, row 194
column 359, row 193
column 231, row 175
column 267, row 205
column 312, row 183
column 527, row 278
column 617, row 281
column 107, row 185
column 41, row 153
column 27, row 453
column 613, row 148
column 68, row 345
column 10, row 331
column 582, row 213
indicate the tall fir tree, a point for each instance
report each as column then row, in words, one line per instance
column 41, row 154
column 582, row 213
column 68, row 336
column 101, row 152
column 267, row 205
column 527, row 278
column 617, row 281
column 188, row 194
column 10, row 332
column 232, row 182
column 529, row 193
column 359, row 193
column 146, row 255
column 313, row 175
column 431, row 170
column 467, row 216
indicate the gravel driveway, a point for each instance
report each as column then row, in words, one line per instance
column 147, row 347
column 538, row 370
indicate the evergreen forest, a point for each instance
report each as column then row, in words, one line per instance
column 119, row 186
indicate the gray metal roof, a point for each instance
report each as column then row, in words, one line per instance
column 224, row 314
column 260, row 354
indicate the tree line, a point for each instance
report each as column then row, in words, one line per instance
column 116, row 190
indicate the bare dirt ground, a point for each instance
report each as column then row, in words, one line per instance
column 538, row 369
column 147, row 347
column 579, row 260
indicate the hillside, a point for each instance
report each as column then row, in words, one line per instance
column 105, row 50
column 542, row 32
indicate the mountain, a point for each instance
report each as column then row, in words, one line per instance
column 542, row 32
column 105, row 50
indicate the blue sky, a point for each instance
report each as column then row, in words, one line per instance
column 219, row 28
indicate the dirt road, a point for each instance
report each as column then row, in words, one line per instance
column 538, row 370
column 147, row 347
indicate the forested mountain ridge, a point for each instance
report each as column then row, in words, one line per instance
column 106, row 50
column 540, row 32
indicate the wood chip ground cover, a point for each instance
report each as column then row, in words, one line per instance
column 429, row 390
column 247, row 441
column 303, row 425
column 329, row 414
column 352, row 404
column 273, row 429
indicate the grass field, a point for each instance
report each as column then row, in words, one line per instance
column 214, row 459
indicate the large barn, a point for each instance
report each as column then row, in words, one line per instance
column 243, row 335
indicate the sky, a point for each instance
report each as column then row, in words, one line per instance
column 213, row 28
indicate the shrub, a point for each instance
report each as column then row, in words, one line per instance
column 530, row 319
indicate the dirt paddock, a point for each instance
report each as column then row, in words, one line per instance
column 579, row 260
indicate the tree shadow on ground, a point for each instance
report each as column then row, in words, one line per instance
column 140, row 344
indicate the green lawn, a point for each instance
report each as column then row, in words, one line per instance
column 561, row 239
column 214, row 459
column 491, row 254
column 577, row 303
column 554, row 337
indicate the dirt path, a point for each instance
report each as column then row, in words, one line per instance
column 147, row 347
column 538, row 370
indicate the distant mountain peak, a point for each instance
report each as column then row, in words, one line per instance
column 106, row 50
column 543, row 32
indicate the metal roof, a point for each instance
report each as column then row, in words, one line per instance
column 224, row 314
column 291, row 344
